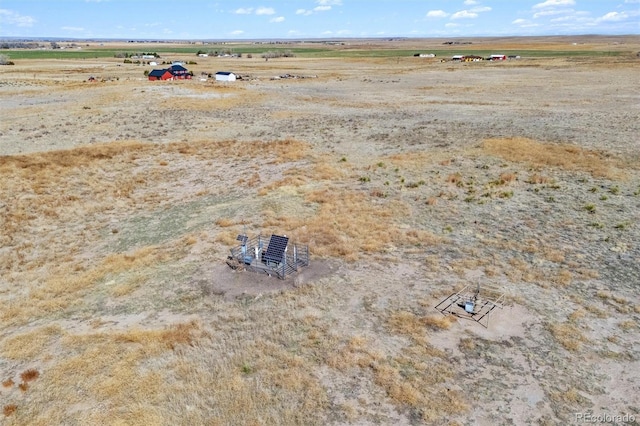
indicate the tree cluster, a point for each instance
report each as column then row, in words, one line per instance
column 135, row 54
column 278, row 54
column 4, row 60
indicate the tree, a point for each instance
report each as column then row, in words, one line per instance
column 4, row 60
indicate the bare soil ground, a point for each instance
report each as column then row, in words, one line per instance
column 409, row 179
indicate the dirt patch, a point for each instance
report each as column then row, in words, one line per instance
column 221, row 280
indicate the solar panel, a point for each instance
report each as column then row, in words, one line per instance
column 275, row 249
column 242, row 238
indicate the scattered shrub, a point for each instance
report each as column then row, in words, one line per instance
column 29, row 375
column 9, row 409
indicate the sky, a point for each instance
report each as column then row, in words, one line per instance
column 296, row 19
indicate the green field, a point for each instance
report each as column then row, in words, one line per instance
column 302, row 52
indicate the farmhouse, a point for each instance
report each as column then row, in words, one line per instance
column 179, row 72
column 175, row 72
column 225, row 76
column 498, row 58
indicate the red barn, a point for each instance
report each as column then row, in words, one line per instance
column 160, row 75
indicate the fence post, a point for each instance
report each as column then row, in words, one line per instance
column 295, row 257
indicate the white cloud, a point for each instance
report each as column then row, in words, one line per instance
column 480, row 9
column 244, row 11
column 323, row 6
column 613, row 17
column 278, row 19
column 523, row 23
column 551, row 12
column 237, row 32
column 437, row 14
column 451, row 25
column 265, row 11
column 554, row 3
column 631, row 1
column 470, row 2
column 75, row 29
column 464, row 14
column 10, row 17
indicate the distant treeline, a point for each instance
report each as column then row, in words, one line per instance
column 136, row 55
column 278, row 54
column 20, row 45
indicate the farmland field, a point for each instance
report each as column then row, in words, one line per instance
column 409, row 179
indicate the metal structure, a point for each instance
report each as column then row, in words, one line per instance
column 471, row 303
column 274, row 255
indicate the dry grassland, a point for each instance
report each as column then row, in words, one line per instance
column 408, row 179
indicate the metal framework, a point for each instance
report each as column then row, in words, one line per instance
column 274, row 255
column 471, row 303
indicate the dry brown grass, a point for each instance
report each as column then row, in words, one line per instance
column 208, row 99
column 109, row 369
column 507, row 177
column 536, row 178
column 568, row 335
column 30, row 344
column 628, row 325
column 413, row 379
column 563, row 156
column 224, row 222
column 348, row 223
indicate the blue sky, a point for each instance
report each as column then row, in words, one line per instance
column 262, row 19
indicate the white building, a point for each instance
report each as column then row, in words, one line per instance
column 225, row 76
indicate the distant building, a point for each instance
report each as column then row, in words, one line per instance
column 175, row 72
column 179, row 72
column 225, row 76
column 160, row 75
column 498, row 58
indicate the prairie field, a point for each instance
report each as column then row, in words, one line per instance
column 409, row 178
